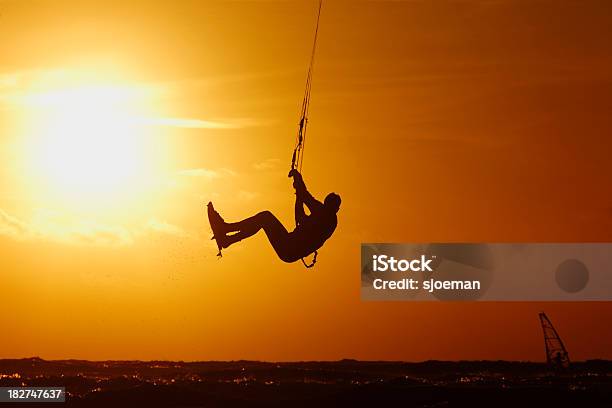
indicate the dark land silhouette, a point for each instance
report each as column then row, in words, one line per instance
column 335, row 383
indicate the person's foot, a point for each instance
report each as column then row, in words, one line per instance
column 217, row 219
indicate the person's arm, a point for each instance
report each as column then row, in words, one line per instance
column 303, row 194
column 300, row 215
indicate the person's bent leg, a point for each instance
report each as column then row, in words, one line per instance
column 277, row 234
column 246, row 228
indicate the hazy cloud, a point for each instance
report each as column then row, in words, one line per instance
column 244, row 195
column 47, row 226
column 191, row 123
column 44, row 87
column 12, row 226
column 267, row 164
column 92, row 233
column 54, row 227
column 207, row 173
column 164, row 227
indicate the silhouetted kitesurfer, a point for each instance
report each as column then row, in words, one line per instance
column 309, row 235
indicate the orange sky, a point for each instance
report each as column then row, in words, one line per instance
column 435, row 121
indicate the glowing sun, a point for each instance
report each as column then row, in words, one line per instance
column 88, row 142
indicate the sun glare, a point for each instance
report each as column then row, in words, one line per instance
column 87, row 143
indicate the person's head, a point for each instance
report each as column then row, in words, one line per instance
column 332, row 201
